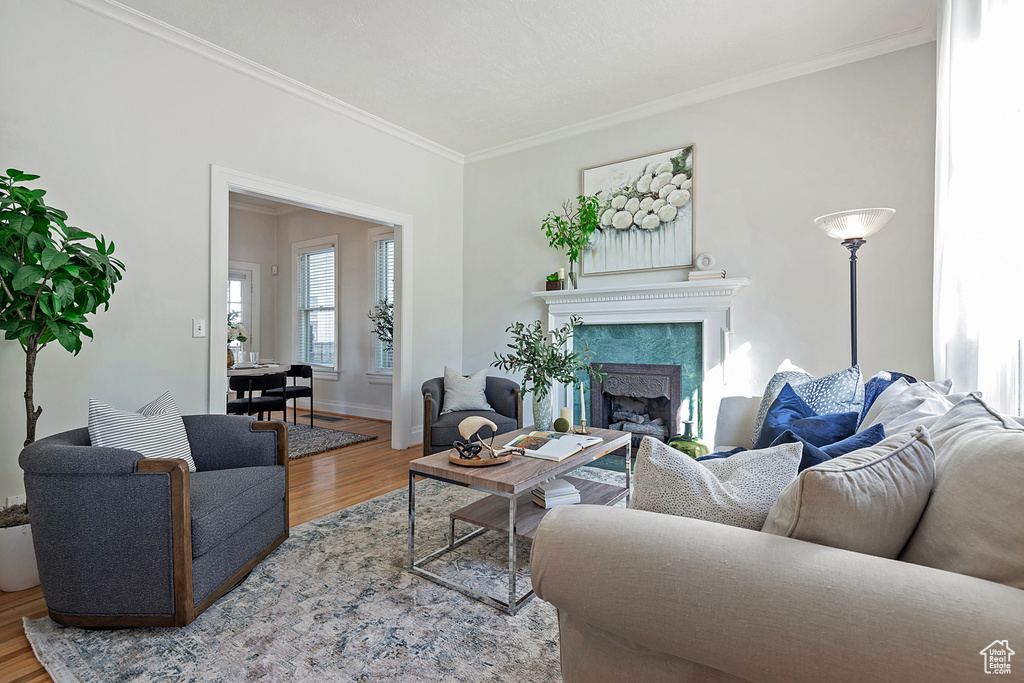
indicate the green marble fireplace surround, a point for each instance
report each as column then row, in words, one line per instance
column 649, row 343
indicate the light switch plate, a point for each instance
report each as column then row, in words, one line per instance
column 198, row 327
column 15, row 500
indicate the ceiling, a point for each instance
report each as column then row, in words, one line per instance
column 259, row 204
column 473, row 76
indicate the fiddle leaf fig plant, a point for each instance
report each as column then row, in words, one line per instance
column 52, row 275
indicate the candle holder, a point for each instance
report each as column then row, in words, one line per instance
column 582, row 429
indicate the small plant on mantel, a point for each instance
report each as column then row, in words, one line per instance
column 571, row 230
column 51, row 276
column 545, row 362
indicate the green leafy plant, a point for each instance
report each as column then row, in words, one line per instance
column 51, row 276
column 383, row 317
column 570, row 231
column 553, row 277
column 544, row 359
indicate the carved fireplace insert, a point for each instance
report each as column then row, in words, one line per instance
column 639, row 398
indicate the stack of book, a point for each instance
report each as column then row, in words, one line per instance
column 556, row 492
column 700, row 275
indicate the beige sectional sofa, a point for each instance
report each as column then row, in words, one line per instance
column 649, row 597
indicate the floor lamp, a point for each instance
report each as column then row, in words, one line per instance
column 853, row 228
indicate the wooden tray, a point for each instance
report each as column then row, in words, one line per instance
column 456, row 460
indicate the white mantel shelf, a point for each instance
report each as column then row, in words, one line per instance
column 714, row 295
column 708, row 303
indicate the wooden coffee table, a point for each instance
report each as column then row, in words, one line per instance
column 510, row 508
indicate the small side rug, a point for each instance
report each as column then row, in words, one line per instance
column 304, row 441
column 335, row 603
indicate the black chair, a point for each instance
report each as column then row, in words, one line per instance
column 247, row 404
column 441, row 431
column 296, row 391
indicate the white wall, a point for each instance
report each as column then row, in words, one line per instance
column 252, row 238
column 768, row 161
column 351, row 393
column 123, row 128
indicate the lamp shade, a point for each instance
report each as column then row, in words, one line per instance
column 854, row 224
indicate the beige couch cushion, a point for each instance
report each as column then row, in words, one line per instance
column 868, row 501
column 972, row 524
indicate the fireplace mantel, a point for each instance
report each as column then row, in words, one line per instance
column 709, row 303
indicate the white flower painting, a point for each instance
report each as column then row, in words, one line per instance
column 646, row 213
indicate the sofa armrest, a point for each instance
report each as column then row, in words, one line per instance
column 221, row 442
column 52, row 456
column 764, row 607
column 735, row 423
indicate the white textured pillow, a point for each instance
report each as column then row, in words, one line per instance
column 464, row 393
column 156, row 430
column 904, row 406
column 840, row 392
column 868, row 501
column 972, row 523
column 738, row 490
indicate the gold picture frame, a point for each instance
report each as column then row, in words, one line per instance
column 662, row 239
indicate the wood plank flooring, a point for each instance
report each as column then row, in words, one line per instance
column 319, row 485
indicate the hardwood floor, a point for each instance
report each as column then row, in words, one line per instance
column 319, row 485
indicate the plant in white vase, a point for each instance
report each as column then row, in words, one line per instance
column 545, row 359
column 236, row 332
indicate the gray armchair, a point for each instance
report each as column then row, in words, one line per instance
column 124, row 541
column 441, row 431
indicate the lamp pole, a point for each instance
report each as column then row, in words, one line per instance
column 853, row 245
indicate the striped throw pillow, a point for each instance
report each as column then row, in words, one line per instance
column 156, row 430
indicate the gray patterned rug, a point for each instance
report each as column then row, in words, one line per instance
column 304, row 441
column 335, row 603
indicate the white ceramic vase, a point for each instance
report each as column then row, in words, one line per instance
column 17, row 559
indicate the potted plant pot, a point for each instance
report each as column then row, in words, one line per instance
column 17, row 555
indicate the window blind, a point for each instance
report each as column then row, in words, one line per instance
column 316, row 322
column 384, row 288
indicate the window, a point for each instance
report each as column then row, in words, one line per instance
column 316, row 324
column 236, row 305
column 383, row 250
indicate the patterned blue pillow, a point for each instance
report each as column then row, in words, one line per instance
column 839, row 392
column 721, row 454
column 789, row 411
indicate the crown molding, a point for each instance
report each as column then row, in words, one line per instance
column 280, row 211
column 175, row 36
column 899, row 41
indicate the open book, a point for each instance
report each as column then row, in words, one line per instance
column 552, row 445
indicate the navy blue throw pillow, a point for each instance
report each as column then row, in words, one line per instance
column 812, row 455
column 876, row 385
column 721, row 454
column 869, row 437
column 789, row 411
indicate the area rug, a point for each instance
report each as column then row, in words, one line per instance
column 304, row 441
column 612, row 462
column 335, row 603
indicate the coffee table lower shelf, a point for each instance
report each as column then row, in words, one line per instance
column 492, row 512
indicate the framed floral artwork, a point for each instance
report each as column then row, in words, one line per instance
column 646, row 213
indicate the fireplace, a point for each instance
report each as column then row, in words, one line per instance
column 644, row 399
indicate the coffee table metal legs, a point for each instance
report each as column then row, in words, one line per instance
column 416, row 566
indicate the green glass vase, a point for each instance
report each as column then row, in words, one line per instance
column 688, row 443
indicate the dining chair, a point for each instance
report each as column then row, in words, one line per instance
column 247, row 404
column 296, row 390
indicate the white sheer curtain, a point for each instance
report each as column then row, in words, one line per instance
column 979, row 198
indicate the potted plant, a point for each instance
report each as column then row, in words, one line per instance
column 571, row 230
column 383, row 317
column 236, row 332
column 544, row 362
column 51, row 276
column 17, row 557
column 552, row 282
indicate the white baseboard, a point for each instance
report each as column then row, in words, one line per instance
column 416, row 435
column 353, row 409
